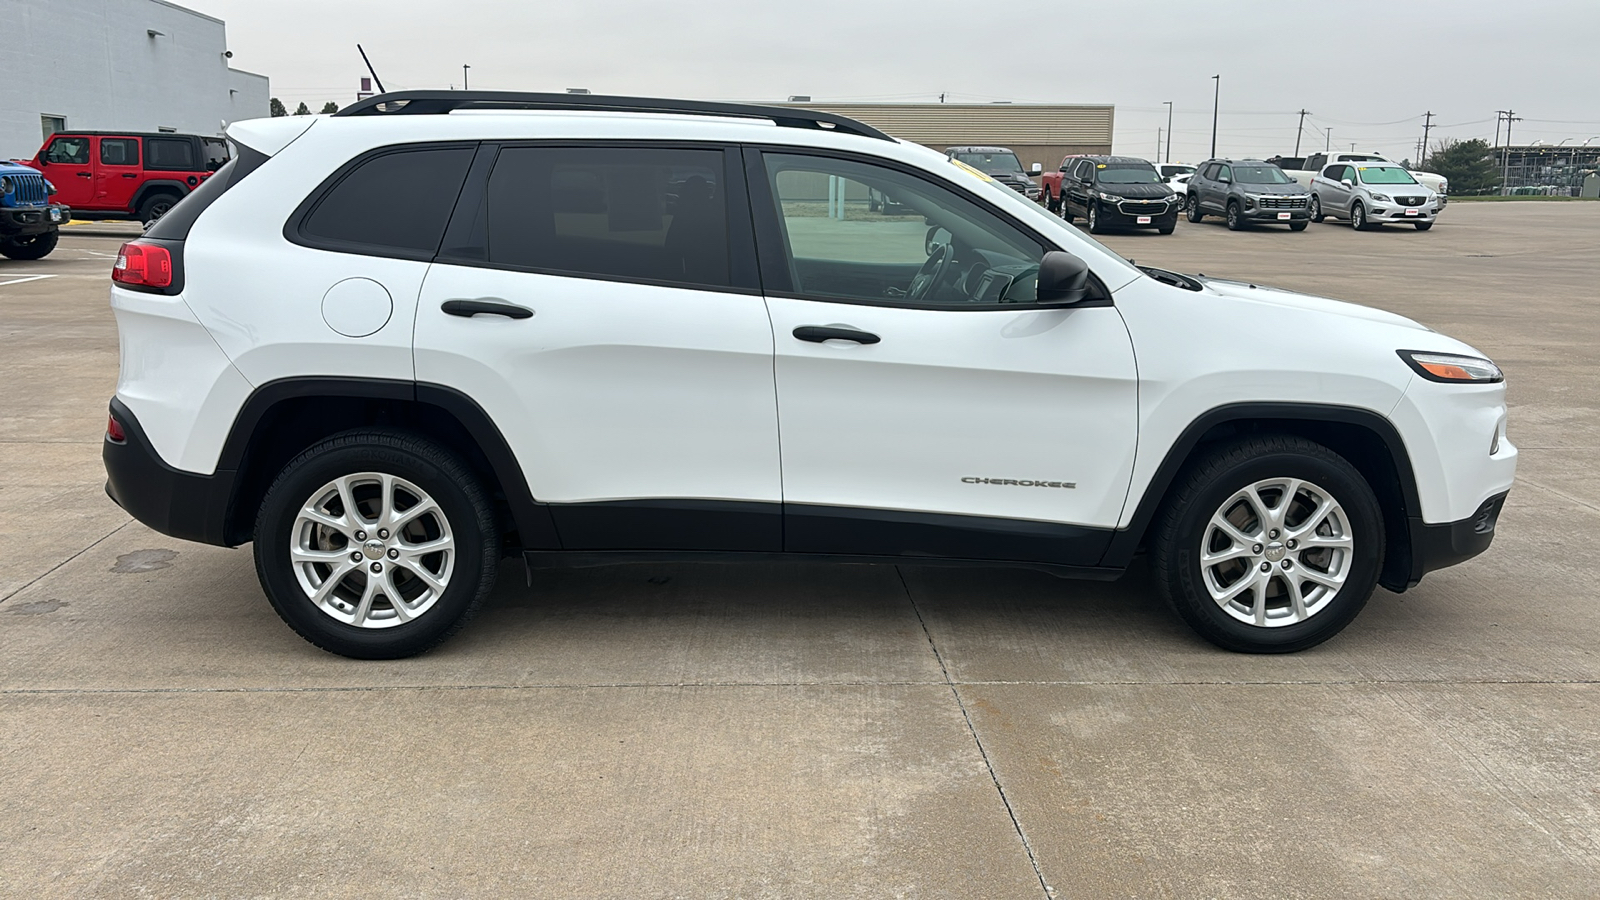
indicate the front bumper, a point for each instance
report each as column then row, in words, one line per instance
column 1127, row 215
column 1390, row 212
column 30, row 220
column 174, row 502
column 1257, row 213
column 1435, row 547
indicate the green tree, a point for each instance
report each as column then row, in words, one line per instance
column 1468, row 164
column 302, row 109
column 330, row 107
column 277, row 107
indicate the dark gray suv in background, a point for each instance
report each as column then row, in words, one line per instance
column 1246, row 191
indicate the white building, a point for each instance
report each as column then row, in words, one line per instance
column 116, row 65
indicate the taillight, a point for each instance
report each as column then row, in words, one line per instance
column 114, row 430
column 142, row 264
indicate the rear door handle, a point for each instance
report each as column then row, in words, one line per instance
column 816, row 334
column 84, row 175
column 129, row 175
column 489, row 305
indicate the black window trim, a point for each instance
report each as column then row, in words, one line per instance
column 743, row 270
column 196, row 151
column 294, row 227
column 770, row 245
column 138, row 153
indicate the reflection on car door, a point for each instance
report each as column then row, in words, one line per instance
column 637, row 390
column 915, row 418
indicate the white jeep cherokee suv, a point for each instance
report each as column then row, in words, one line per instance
column 395, row 346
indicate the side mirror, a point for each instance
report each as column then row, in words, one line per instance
column 1224, row 180
column 1347, row 183
column 1063, row 279
column 43, row 161
column 1036, row 169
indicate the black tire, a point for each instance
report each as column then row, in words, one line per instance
column 1097, row 222
column 1205, row 487
column 1298, row 226
column 1235, row 216
column 155, row 206
column 1052, row 203
column 33, row 246
column 440, row 474
column 1424, row 226
column 1358, row 217
column 1066, row 208
column 1168, row 227
column 1316, row 208
column 1192, row 209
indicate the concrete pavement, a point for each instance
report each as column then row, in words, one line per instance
column 824, row 731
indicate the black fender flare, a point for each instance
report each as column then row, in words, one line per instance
column 157, row 186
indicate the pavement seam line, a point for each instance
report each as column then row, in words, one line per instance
column 1563, row 495
column 46, row 573
column 983, row 752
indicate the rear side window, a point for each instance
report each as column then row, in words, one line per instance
column 169, row 153
column 399, row 200
column 645, row 213
column 119, row 151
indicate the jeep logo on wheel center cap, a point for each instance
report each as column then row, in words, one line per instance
column 374, row 549
column 1274, row 552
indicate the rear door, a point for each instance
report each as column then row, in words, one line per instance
column 118, row 175
column 69, row 164
column 620, row 341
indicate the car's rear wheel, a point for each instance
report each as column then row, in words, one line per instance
column 33, row 246
column 376, row 544
column 1316, row 208
column 1192, row 209
column 156, row 206
column 1269, row 545
column 1235, row 216
column 1358, row 216
column 1424, row 226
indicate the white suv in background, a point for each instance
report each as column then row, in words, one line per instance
column 439, row 329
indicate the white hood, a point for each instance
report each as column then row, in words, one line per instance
column 1278, row 297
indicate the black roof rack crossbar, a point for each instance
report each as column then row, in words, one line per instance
column 440, row 102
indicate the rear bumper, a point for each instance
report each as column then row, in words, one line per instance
column 1435, row 547
column 19, row 222
column 174, row 502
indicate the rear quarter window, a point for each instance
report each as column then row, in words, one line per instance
column 395, row 202
column 173, row 154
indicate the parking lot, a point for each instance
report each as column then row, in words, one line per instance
column 811, row 730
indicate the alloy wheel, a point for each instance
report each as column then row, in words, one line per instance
column 1277, row 552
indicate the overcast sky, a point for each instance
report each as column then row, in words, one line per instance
column 1366, row 69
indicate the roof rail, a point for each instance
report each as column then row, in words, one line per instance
column 400, row 103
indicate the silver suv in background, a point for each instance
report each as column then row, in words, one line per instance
column 1246, row 191
column 1371, row 194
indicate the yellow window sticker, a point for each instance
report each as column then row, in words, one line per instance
column 970, row 170
column 1100, row 166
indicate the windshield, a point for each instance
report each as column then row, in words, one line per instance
column 1128, row 175
column 1385, row 175
column 992, row 163
column 1260, row 175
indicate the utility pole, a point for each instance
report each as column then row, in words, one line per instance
column 1505, row 169
column 941, row 97
column 464, row 77
column 1169, row 131
column 1427, row 125
column 1158, row 143
column 1300, row 130
column 1327, row 139
column 1215, row 98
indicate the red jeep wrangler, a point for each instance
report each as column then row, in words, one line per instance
column 127, row 175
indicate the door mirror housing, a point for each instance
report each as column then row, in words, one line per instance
column 1347, row 183
column 1036, row 169
column 1063, row 279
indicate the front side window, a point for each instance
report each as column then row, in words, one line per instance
column 1085, row 170
column 398, row 200
column 1211, row 171
column 1260, row 175
column 119, row 151
column 1225, row 173
column 638, row 213
column 68, row 151
column 1385, row 175
column 927, row 245
column 172, row 154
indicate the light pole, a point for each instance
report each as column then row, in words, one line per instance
column 1215, row 97
column 1169, row 130
column 1300, row 130
column 464, row 77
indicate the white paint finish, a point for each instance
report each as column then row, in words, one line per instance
column 950, row 394
column 95, row 63
column 175, row 379
column 611, row 390
column 357, row 307
column 268, row 136
column 1449, row 429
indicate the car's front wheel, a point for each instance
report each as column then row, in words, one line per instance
column 1358, row 216
column 1316, row 208
column 1269, row 545
column 33, row 246
column 376, row 544
column 1297, row 226
column 1235, row 216
column 1192, row 209
column 1424, row 226
column 1097, row 220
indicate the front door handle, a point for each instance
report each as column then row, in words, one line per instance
column 84, row 175
column 489, row 305
column 816, row 334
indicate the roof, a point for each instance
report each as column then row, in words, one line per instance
column 74, row 132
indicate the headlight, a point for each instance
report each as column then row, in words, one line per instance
column 49, row 187
column 1113, row 198
column 1381, row 198
column 5, row 185
column 1452, row 369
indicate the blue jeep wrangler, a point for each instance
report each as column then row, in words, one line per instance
column 29, row 223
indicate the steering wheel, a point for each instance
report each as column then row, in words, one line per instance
column 931, row 272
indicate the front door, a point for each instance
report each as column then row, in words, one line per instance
column 601, row 304
column 925, row 406
column 117, row 176
column 70, row 168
